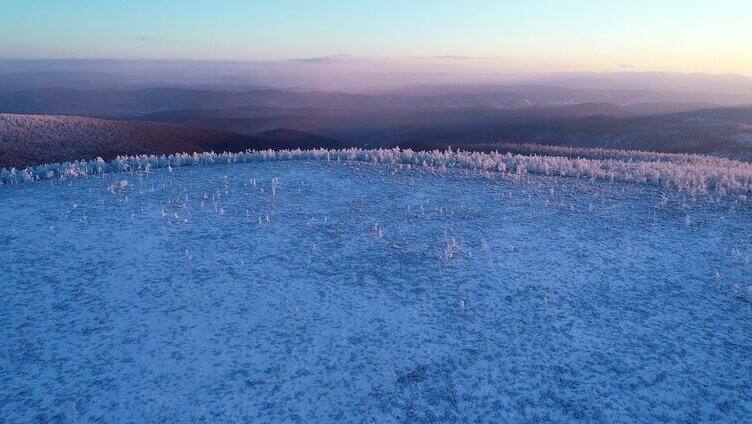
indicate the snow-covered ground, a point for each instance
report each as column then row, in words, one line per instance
column 317, row 291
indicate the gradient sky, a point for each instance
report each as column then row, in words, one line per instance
column 503, row 36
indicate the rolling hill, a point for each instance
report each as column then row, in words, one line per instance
column 418, row 117
column 118, row 103
column 36, row 139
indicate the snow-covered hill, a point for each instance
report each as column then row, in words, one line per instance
column 38, row 139
column 365, row 286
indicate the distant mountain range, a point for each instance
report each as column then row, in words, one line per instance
column 653, row 126
column 168, row 119
column 128, row 103
column 719, row 131
column 131, row 103
column 350, row 74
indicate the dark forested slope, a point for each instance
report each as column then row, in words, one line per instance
column 35, row 139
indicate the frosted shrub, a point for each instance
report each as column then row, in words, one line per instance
column 695, row 174
column 120, row 186
column 451, row 249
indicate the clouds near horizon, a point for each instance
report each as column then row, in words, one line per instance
column 485, row 35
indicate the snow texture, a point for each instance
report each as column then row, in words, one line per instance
column 312, row 291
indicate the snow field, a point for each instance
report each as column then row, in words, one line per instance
column 308, row 291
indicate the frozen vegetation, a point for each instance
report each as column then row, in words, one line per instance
column 378, row 286
column 697, row 174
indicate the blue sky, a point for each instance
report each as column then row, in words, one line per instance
column 540, row 35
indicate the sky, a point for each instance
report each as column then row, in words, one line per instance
column 469, row 36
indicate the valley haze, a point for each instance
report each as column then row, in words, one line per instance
column 671, row 112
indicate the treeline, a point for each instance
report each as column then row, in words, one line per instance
column 688, row 173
